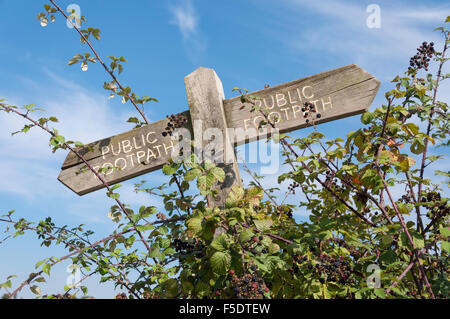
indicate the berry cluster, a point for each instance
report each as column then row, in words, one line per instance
column 292, row 187
column 161, row 216
column 431, row 197
column 406, row 198
column 121, row 296
column 285, row 210
column 255, row 242
column 309, row 108
column 175, row 121
column 299, row 259
column 422, row 57
column 328, row 268
column 362, row 197
column 333, row 269
column 186, row 248
column 249, row 286
column 437, row 207
column 296, row 260
column 149, row 295
column 342, row 243
column 329, row 178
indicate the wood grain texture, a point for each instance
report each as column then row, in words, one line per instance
column 349, row 89
column 138, row 151
column 205, row 99
column 338, row 93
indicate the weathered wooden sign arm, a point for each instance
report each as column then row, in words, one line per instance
column 336, row 94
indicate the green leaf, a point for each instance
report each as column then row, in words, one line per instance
column 418, row 146
column 46, row 269
column 6, row 284
column 246, row 235
column 195, row 224
column 36, row 290
column 40, row 263
column 220, row 262
column 72, row 61
column 418, row 240
column 133, row 120
column 205, row 183
column 218, row 173
column 236, row 194
column 445, row 245
column 274, row 248
column 367, row 117
column 170, row 169
column 386, row 241
column 380, row 293
column 263, row 225
column 220, row 243
column 40, row 279
column 144, row 228
column 192, row 174
column 445, row 231
column 388, row 257
column 209, row 165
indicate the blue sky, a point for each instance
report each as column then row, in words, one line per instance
column 249, row 44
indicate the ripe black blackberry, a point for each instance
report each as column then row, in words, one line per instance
column 185, row 248
column 249, row 286
column 422, row 58
column 330, row 179
column 175, row 121
column 309, row 108
column 292, row 186
column 334, row 268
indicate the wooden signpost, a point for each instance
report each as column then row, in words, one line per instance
column 336, row 94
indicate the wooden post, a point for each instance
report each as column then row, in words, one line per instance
column 205, row 98
column 337, row 93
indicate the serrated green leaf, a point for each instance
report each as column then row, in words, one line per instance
column 388, row 257
column 220, row 262
column 246, row 235
column 36, row 290
column 46, row 269
column 445, row 245
column 192, row 174
column 217, row 173
column 195, row 224
column 171, row 168
column 445, row 231
column 220, row 243
column 263, row 225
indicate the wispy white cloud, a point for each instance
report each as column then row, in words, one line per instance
column 185, row 17
column 428, row 15
column 338, row 30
